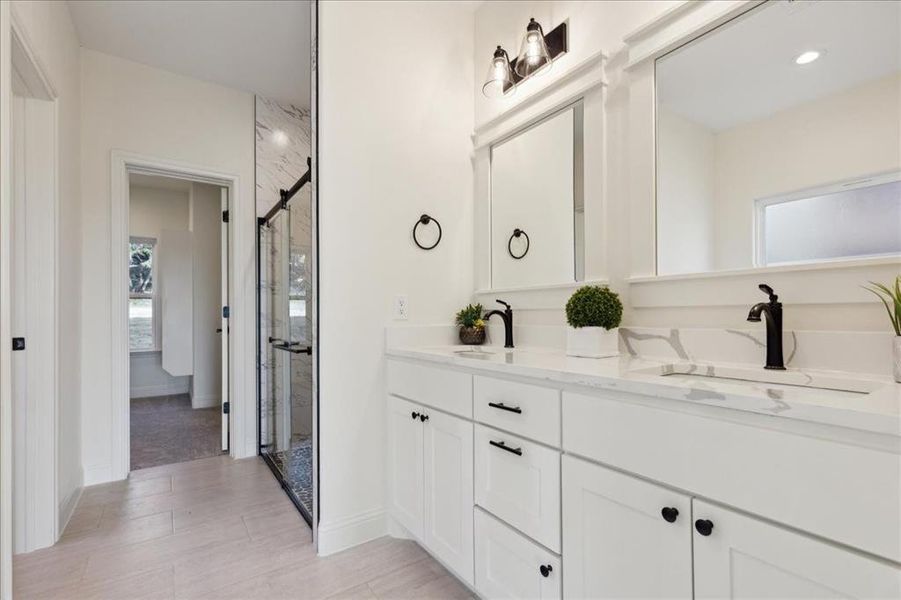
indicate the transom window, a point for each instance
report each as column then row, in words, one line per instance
column 853, row 219
column 141, row 295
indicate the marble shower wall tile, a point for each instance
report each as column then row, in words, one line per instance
column 283, row 143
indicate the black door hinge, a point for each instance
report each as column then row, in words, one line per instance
column 18, row 343
column 225, row 312
column 225, row 408
column 225, row 216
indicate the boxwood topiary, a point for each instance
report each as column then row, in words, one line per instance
column 594, row 306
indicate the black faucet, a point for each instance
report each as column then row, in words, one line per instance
column 507, row 316
column 772, row 310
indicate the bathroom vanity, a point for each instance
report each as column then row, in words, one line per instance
column 531, row 474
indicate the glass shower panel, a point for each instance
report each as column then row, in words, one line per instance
column 286, row 373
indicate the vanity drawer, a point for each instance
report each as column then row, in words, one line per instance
column 840, row 491
column 509, row 565
column 519, row 482
column 528, row 410
column 446, row 390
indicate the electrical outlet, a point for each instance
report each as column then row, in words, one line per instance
column 400, row 308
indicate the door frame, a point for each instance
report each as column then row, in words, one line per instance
column 123, row 164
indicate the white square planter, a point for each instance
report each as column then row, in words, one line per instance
column 592, row 342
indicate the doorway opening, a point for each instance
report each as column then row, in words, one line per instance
column 177, row 320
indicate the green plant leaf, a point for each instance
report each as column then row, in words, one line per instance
column 886, row 295
column 594, row 306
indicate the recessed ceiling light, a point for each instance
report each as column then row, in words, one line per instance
column 805, row 58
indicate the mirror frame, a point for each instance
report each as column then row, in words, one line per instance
column 815, row 283
column 584, row 82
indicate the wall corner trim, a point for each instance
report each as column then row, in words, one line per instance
column 351, row 531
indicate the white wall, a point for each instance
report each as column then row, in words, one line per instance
column 593, row 27
column 147, row 378
column 685, row 195
column 151, row 210
column 206, row 224
column 851, row 134
column 141, row 109
column 394, row 141
column 52, row 35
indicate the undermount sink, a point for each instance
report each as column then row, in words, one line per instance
column 732, row 374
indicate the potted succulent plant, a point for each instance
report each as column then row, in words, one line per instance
column 593, row 314
column 891, row 298
column 472, row 326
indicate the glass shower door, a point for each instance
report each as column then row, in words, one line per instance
column 286, row 374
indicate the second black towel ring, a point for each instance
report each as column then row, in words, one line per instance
column 425, row 220
column 517, row 233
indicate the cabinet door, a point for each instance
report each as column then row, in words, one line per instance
column 510, row 565
column 405, row 463
column 743, row 557
column 622, row 536
column 447, row 443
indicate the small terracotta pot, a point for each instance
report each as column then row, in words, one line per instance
column 472, row 336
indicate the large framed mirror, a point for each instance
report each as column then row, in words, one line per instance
column 778, row 139
column 537, row 203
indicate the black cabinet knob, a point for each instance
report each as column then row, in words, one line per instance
column 423, row 418
column 669, row 513
column 704, row 526
column 414, row 415
column 545, row 570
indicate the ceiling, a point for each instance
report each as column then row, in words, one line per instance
column 258, row 46
column 746, row 69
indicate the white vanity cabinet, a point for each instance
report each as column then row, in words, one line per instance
column 430, row 480
column 744, row 557
column 548, row 490
column 623, row 537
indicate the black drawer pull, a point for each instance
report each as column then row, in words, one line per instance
column 502, row 406
column 704, row 526
column 503, row 446
column 669, row 513
column 546, row 570
column 415, row 415
column 423, row 418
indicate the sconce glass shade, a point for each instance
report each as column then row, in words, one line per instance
column 533, row 53
column 500, row 76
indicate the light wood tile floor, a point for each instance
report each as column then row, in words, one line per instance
column 214, row 528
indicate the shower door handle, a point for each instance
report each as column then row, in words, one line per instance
column 293, row 348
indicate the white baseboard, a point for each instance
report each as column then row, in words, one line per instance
column 98, row 474
column 351, row 531
column 205, row 401
column 150, row 391
column 67, row 508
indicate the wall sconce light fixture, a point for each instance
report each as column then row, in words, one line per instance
column 537, row 53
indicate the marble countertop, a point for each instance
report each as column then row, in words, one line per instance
column 866, row 403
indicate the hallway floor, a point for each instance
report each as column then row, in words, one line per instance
column 166, row 430
column 216, row 528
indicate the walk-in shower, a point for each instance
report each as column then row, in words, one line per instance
column 285, row 343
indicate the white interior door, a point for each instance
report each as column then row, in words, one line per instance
column 34, row 320
column 224, row 325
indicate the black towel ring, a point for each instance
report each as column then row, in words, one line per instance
column 516, row 233
column 425, row 220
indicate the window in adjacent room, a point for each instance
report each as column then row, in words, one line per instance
column 141, row 302
column 853, row 219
